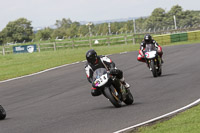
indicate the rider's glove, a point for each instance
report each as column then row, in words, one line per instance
column 113, row 71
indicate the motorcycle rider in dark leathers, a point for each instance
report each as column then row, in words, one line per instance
column 94, row 62
column 149, row 40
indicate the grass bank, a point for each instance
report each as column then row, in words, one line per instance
column 185, row 122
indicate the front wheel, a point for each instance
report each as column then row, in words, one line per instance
column 111, row 94
column 160, row 71
column 154, row 71
column 2, row 113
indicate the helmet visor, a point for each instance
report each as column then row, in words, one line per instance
column 147, row 38
column 92, row 59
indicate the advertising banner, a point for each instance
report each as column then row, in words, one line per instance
column 25, row 49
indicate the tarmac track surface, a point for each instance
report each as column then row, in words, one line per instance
column 59, row 101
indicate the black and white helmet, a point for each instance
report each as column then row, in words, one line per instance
column 91, row 56
column 147, row 38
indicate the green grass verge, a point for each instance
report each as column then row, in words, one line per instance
column 15, row 65
column 185, row 122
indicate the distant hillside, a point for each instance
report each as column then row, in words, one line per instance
column 196, row 12
column 111, row 20
column 94, row 22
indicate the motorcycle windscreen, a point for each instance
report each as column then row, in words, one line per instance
column 150, row 47
column 100, row 77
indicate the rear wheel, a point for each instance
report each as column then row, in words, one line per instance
column 129, row 98
column 111, row 94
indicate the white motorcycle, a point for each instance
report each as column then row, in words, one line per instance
column 153, row 60
column 111, row 88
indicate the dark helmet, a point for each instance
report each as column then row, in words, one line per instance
column 91, row 56
column 147, row 38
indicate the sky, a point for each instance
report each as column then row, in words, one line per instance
column 44, row 13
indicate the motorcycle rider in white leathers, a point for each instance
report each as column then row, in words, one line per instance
column 94, row 62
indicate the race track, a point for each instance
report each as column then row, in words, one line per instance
column 59, row 101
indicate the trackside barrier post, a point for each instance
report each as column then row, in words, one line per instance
column 38, row 47
column 125, row 39
column 90, row 42
column 3, row 50
column 108, row 41
column 72, row 43
column 54, row 46
column 133, row 40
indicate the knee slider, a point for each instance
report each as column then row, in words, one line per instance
column 95, row 92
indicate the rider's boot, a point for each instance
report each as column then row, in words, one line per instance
column 124, row 83
column 162, row 61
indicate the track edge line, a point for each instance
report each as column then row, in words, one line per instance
column 160, row 117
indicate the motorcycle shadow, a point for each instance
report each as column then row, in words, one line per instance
column 163, row 75
column 114, row 108
column 170, row 74
column 6, row 119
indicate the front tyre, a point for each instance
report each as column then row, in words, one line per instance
column 111, row 95
column 160, row 71
column 2, row 113
column 154, row 71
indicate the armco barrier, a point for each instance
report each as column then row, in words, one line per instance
column 191, row 36
column 159, row 39
column 194, row 35
column 183, row 37
column 166, row 39
column 163, row 39
column 177, row 37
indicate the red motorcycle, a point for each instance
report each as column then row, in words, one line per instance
column 153, row 60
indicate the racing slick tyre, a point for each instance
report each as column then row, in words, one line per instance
column 129, row 98
column 154, row 71
column 2, row 113
column 160, row 72
column 111, row 95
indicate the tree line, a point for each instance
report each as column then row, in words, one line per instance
column 21, row 29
